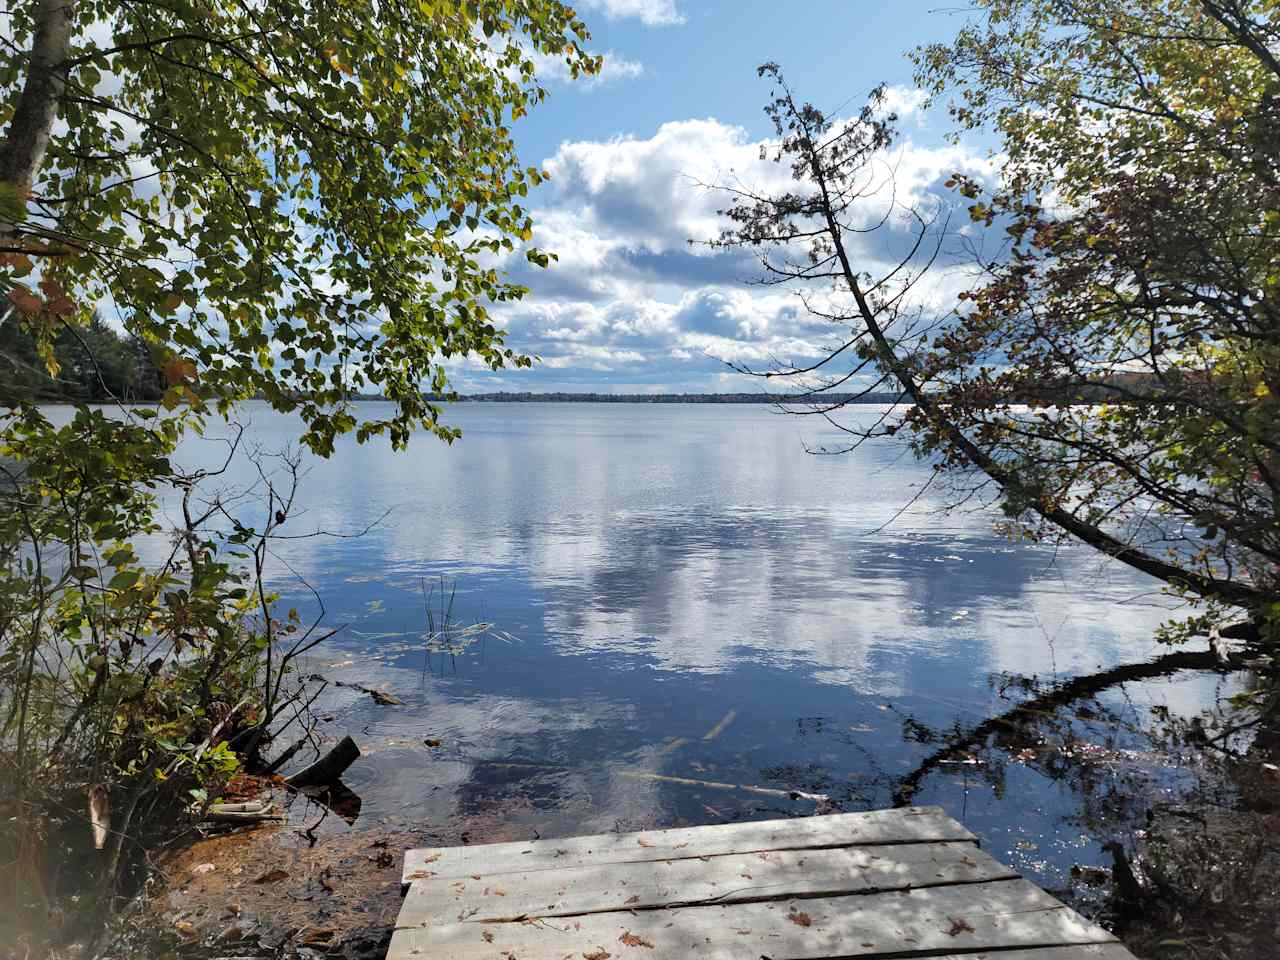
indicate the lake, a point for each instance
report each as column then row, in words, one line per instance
column 683, row 600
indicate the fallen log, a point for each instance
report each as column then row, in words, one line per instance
column 328, row 768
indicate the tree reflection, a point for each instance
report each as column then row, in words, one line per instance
column 1187, row 806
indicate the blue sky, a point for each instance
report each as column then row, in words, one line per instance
column 630, row 307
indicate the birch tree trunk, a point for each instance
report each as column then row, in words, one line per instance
column 27, row 138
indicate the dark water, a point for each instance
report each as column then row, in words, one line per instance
column 689, row 595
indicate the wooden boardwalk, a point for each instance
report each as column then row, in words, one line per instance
column 890, row 883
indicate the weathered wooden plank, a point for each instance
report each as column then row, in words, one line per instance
column 1085, row 951
column 729, row 878
column 1004, row 914
column 910, row 825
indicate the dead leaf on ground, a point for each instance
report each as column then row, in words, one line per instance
column 431, row 742
column 432, row 858
column 384, row 699
column 631, row 940
column 272, row 876
column 601, row 954
column 421, row 875
column 185, row 928
column 643, row 842
column 486, row 936
column 798, row 918
column 958, row 926
column 630, row 900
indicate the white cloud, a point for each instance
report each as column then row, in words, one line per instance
column 630, row 305
column 652, row 13
column 904, row 101
column 652, row 193
column 616, row 67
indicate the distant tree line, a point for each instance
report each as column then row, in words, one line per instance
column 526, row 397
column 95, row 364
column 1138, row 385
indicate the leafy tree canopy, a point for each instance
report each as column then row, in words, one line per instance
column 1127, row 254
column 296, row 200
column 1141, row 202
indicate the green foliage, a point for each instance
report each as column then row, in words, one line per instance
column 109, row 666
column 1114, row 375
column 301, row 202
column 111, row 671
column 1140, row 197
column 297, row 201
column 145, row 679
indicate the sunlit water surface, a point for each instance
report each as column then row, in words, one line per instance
column 688, row 595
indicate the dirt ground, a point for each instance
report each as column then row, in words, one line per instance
column 270, row 890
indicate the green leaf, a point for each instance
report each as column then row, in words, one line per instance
column 124, row 579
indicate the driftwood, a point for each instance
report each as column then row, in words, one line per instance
column 249, row 806
column 253, row 811
column 246, row 816
column 99, row 814
column 328, row 768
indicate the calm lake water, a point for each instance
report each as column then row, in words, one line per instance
column 690, row 595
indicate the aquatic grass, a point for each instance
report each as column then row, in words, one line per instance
column 447, row 635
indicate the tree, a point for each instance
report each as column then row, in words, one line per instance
column 96, row 364
column 297, row 201
column 292, row 200
column 1112, row 372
